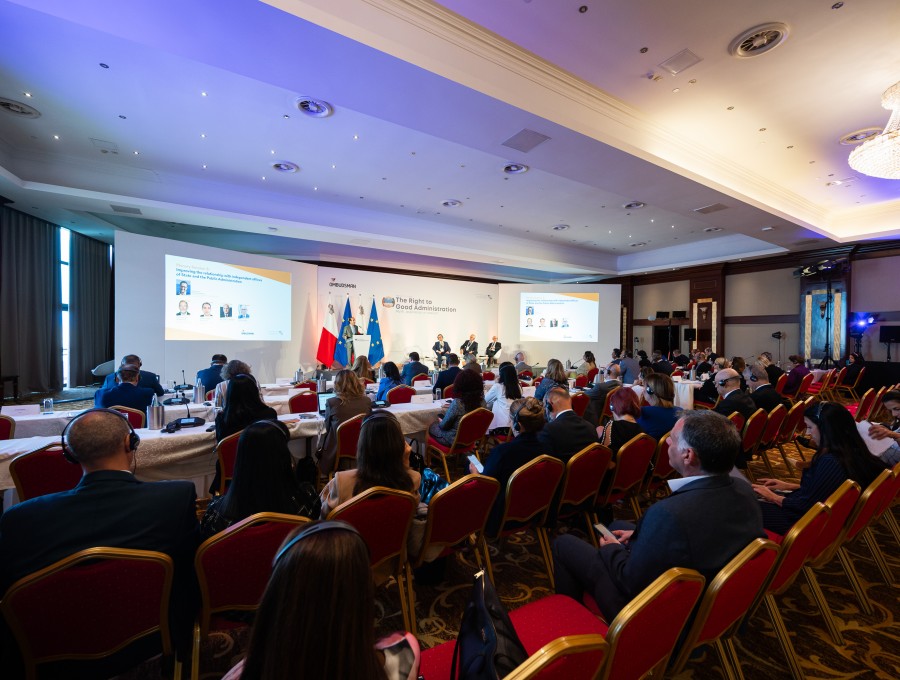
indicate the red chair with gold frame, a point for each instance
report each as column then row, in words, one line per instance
column 592, row 374
column 774, row 423
column 606, row 411
column 347, row 440
column 802, row 389
column 135, row 417
column 851, row 390
column 580, row 403
column 624, row 481
column 382, row 516
column 660, row 469
column 529, row 493
column 780, row 383
column 525, row 375
column 581, row 381
column 820, row 389
column 304, row 402
column 750, row 435
column 226, row 453
column 791, row 428
column 488, row 375
column 448, row 392
column 471, row 432
column 7, row 428
column 91, row 605
column 233, row 569
column 860, row 410
column 310, row 385
column 209, row 395
column 725, row 602
column 44, row 471
column 584, row 474
column 420, row 376
column 402, row 394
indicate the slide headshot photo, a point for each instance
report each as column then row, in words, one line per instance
column 184, row 288
column 225, row 310
column 529, row 311
column 183, row 309
column 207, row 310
column 243, row 313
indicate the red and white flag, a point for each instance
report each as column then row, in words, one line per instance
column 328, row 339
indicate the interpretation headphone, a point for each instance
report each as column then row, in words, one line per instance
column 275, row 423
column 327, row 525
column 133, row 439
column 515, row 416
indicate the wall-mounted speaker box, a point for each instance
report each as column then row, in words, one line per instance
column 690, row 334
column 889, row 334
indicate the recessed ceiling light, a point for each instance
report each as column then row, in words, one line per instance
column 730, row 108
column 314, row 108
column 273, row 228
column 451, row 203
column 768, row 228
column 638, row 244
column 633, row 205
column 203, row 94
column 515, row 168
column 355, row 137
column 709, row 230
column 102, row 65
column 55, row 136
column 762, row 129
column 834, row 183
column 204, row 166
column 560, row 227
column 122, row 117
column 285, row 166
column 285, row 116
column 676, row 90
column 263, row 178
column 137, row 153
column 27, row 94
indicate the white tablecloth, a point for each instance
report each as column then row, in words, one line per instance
column 818, row 374
column 684, row 392
column 53, row 424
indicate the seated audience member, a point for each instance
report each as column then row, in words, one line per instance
column 554, row 376
column 229, row 370
column 441, row 349
column 126, row 392
column 840, row 454
column 774, row 371
column 321, row 597
column 763, row 392
column 703, row 365
column 643, row 374
column 412, row 368
column 623, row 427
column 567, row 432
column 109, row 507
column 598, row 392
column 679, row 359
column 660, row 415
column 855, row 364
column 363, row 368
column 502, row 394
column 521, row 366
column 616, row 357
column 527, row 417
column 709, row 518
column 659, row 364
column 630, row 368
column 707, row 392
column 262, row 482
column 642, row 358
column 147, row 379
column 212, row 376
column 468, row 395
column 796, row 374
column 390, row 380
column 728, row 385
column 447, row 377
column 349, row 400
column 472, row 363
column 739, row 365
column 588, row 363
column 382, row 459
column 891, row 401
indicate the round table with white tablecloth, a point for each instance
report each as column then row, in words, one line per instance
column 684, row 392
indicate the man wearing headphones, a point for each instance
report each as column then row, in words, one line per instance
column 146, row 379
column 527, row 416
column 728, row 385
column 126, row 393
column 567, row 432
column 762, row 392
column 109, row 507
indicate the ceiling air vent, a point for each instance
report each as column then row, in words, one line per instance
column 714, row 207
column 18, row 108
column 525, row 140
column 633, row 205
column 315, row 108
column 859, row 136
column 125, row 210
column 285, row 166
column 758, row 40
column 680, row 62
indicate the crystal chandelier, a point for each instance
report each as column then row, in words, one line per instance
column 880, row 155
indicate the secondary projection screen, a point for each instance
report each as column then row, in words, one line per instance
column 558, row 317
column 208, row 300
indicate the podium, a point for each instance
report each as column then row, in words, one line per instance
column 361, row 345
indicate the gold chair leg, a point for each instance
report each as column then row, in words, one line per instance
column 726, row 661
column 766, row 461
column 590, row 529
column 487, row 558
column 544, row 542
column 787, row 461
column 179, row 669
column 195, row 654
column 783, row 637
column 799, row 451
column 877, row 556
column 404, row 604
column 727, row 647
column 635, row 506
column 411, row 599
column 446, row 467
column 819, row 598
column 855, row 583
column 891, row 522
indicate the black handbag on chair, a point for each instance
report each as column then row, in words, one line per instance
column 487, row 647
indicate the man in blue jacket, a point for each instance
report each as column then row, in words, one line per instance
column 147, row 379
column 126, row 393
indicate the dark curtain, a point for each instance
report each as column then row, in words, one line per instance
column 90, row 283
column 30, row 302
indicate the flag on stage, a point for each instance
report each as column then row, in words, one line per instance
column 376, row 347
column 344, row 347
column 328, row 339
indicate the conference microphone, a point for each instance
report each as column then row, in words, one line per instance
column 184, row 384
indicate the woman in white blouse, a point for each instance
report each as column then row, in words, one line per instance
column 503, row 393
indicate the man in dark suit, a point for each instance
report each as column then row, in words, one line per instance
column 728, row 385
column 412, row 368
column 763, row 393
column 567, row 433
column 679, row 359
column 212, row 376
column 147, row 379
column 126, row 393
column 445, row 378
column 598, row 393
column 109, row 507
column 659, row 364
column 470, row 346
column 708, row 519
column 493, row 349
column 441, row 349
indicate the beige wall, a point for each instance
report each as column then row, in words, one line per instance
column 748, row 340
column 762, row 293
column 663, row 297
column 875, row 289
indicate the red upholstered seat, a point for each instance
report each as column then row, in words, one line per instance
column 625, row 480
column 662, row 469
column 584, row 474
column 472, row 429
column 309, row 385
column 488, row 375
column 304, row 402
column 347, row 441
column 581, row 381
column 135, row 417
column 226, row 452
column 7, row 427
column 774, row 423
column 402, row 394
column 43, row 471
column 591, row 374
column 580, row 403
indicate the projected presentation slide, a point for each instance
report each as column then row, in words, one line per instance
column 558, row 317
column 216, row 301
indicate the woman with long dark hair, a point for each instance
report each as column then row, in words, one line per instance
column 382, row 459
column 316, row 616
column 855, row 364
column 363, row 368
column 243, row 406
column 262, row 480
column 468, row 393
column 840, row 454
column 390, row 380
column 503, row 393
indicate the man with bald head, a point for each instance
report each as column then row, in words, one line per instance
column 728, row 385
column 599, row 392
column 145, row 378
column 567, row 432
column 109, row 507
column 762, row 392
